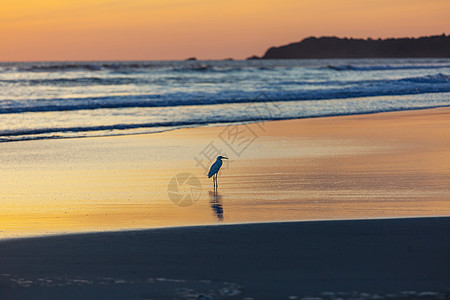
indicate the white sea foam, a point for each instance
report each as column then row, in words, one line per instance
column 48, row 100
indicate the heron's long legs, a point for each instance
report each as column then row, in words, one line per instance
column 215, row 180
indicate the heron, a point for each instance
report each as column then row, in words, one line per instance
column 214, row 170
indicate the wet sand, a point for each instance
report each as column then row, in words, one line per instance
column 262, row 261
column 367, row 166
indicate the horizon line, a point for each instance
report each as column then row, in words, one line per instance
column 194, row 58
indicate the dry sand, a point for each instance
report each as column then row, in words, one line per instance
column 263, row 261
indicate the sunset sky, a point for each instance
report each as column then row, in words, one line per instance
column 51, row 30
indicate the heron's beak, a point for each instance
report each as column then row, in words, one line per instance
column 224, row 157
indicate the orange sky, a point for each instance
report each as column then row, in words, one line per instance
column 208, row 29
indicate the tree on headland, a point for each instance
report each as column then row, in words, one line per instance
column 334, row 47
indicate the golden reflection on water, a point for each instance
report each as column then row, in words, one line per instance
column 334, row 168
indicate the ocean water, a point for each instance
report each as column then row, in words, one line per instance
column 80, row 99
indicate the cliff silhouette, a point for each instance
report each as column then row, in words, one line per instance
column 334, row 47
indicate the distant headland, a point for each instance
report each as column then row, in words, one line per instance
column 333, row 47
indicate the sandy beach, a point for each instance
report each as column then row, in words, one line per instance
column 389, row 170
column 402, row 258
column 365, row 166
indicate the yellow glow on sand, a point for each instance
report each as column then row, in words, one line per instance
column 373, row 166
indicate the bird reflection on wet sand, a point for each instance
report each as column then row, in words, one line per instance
column 215, row 200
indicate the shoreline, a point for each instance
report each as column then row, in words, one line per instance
column 276, row 260
column 226, row 124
